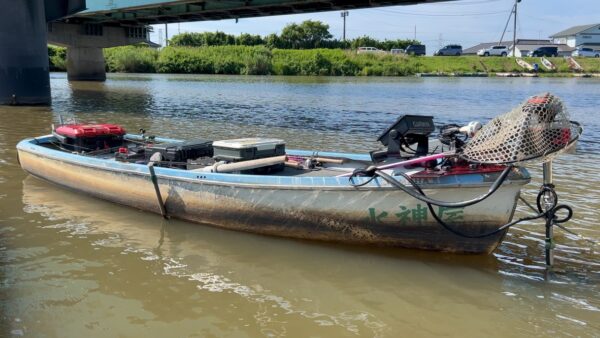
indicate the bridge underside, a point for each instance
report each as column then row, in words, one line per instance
column 24, row 73
column 149, row 12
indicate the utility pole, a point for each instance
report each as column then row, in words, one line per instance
column 514, row 49
column 415, row 38
column 166, row 34
column 344, row 14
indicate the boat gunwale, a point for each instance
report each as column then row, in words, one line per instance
column 341, row 183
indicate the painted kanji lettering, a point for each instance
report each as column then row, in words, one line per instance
column 374, row 217
column 419, row 214
column 450, row 214
column 404, row 215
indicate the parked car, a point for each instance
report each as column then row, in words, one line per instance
column 365, row 50
column 586, row 52
column 415, row 50
column 544, row 51
column 397, row 51
column 493, row 51
column 454, row 50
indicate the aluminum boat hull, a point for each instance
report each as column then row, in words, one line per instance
column 312, row 208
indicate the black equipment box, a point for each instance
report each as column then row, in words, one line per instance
column 245, row 149
column 181, row 151
column 409, row 126
column 407, row 130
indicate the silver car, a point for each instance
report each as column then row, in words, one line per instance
column 454, row 50
column 586, row 52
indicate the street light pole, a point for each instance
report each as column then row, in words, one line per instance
column 344, row 14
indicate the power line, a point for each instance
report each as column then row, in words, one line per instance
column 437, row 14
column 465, row 3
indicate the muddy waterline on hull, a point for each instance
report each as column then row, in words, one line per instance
column 77, row 266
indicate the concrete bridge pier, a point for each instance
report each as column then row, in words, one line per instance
column 24, row 69
column 84, row 42
column 85, row 64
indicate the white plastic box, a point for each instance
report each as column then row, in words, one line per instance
column 244, row 149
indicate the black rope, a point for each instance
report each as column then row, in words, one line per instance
column 462, row 234
column 549, row 213
column 527, row 204
column 591, row 241
column 372, row 171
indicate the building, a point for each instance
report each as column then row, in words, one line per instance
column 584, row 35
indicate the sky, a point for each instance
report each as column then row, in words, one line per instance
column 465, row 22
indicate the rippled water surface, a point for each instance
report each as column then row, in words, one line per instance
column 74, row 266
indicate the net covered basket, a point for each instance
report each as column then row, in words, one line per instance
column 538, row 129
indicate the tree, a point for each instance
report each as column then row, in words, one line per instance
column 273, row 41
column 202, row 39
column 246, row 39
column 187, row 39
column 308, row 34
column 365, row 41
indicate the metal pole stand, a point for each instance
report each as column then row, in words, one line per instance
column 549, row 203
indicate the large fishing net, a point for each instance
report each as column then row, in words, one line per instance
column 538, row 129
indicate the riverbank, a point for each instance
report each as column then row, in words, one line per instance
column 259, row 60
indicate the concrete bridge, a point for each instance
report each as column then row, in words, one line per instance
column 85, row 27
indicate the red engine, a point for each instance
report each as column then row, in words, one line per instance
column 89, row 137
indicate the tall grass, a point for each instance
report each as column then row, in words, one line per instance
column 246, row 60
column 131, row 59
column 259, row 60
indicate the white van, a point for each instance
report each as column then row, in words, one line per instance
column 365, row 50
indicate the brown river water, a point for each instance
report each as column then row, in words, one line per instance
column 75, row 266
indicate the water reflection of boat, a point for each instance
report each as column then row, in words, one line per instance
column 108, row 225
column 338, row 197
column 115, row 226
column 281, row 278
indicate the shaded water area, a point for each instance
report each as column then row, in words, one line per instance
column 74, row 266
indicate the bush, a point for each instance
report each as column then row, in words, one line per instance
column 259, row 64
column 57, row 57
column 215, row 60
column 131, row 59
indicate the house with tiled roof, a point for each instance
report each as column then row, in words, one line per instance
column 584, row 35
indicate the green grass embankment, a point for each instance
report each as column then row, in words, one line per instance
column 259, row 60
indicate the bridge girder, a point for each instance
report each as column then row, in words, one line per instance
column 184, row 11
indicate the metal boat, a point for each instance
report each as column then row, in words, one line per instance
column 454, row 194
column 573, row 65
column 548, row 64
column 524, row 64
column 315, row 204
